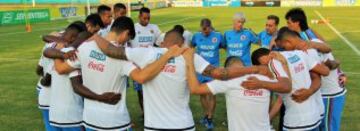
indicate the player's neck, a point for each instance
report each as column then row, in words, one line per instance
column 111, row 36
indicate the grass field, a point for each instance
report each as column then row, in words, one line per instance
column 20, row 51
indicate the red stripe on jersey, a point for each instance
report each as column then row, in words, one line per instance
column 277, row 74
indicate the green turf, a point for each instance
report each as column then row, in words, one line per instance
column 19, row 53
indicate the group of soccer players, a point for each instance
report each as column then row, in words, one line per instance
column 85, row 70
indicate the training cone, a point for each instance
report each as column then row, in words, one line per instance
column 28, row 28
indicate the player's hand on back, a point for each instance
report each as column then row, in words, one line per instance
column 301, row 95
column 263, row 70
column 110, row 97
column 175, row 51
column 60, row 45
column 252, row 83
column 71, row 55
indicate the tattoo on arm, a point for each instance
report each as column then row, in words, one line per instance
column 115, row 52
column 224, row 74
column 208, row 70
column 217, row 73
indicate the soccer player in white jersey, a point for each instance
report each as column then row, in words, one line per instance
column 110, row 75
column 303, row 111
column 146, row 33
column 146, row 36
column 65, row 106
column 186, row 34
column 43, row 86
column 247, row 109
column 169, row 83
column 332, row 93
column 106, row 16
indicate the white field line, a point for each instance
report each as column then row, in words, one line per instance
column 351, row 45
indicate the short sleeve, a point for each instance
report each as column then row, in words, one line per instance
column 277, row 69
column 311, row 58
column 253, row 37
column 74, row 73
column 160, row 39
column 188, row 37
column 157, row 32
column 140, row 56
column 217, row 86
column 200, row 64
column 127, row 68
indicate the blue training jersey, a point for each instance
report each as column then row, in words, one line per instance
column 308, row 35
column 209, row 48
column 265, row 39
column 238, row 43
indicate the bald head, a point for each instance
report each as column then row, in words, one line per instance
column 171, row 38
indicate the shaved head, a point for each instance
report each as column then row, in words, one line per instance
column 171, row 38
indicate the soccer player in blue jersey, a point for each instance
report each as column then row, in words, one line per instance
column 238, row 40
column 266, row 36
column 208, row 43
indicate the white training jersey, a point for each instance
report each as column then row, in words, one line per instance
column 66, row 107
column 317, row 95
column 105, row 31
column 45, row 91
column 247, row 110
column 166, row 97
column 146, row 36
column 103, row 74
column 187, row 38
column 330, row 86
column 305, row 115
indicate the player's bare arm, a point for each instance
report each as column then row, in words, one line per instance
column 52, row 38
column 229, row 73
column 321, row 69
column 283, row 85
column 83, row 36
column 55, row 53
column 62, row 67
column 193, row 84
column 79, row 88
column 332, row 64
column 150, row 71
column 321, row 47
column 275, row 108
column 46, row 80
column 303, row 94
column 108, row 49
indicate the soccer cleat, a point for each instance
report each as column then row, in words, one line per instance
column 203, row 121
column 209, row 124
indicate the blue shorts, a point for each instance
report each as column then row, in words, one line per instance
column 137, row 86
column 333, row 110
column 67, row 128
column 45, row 114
